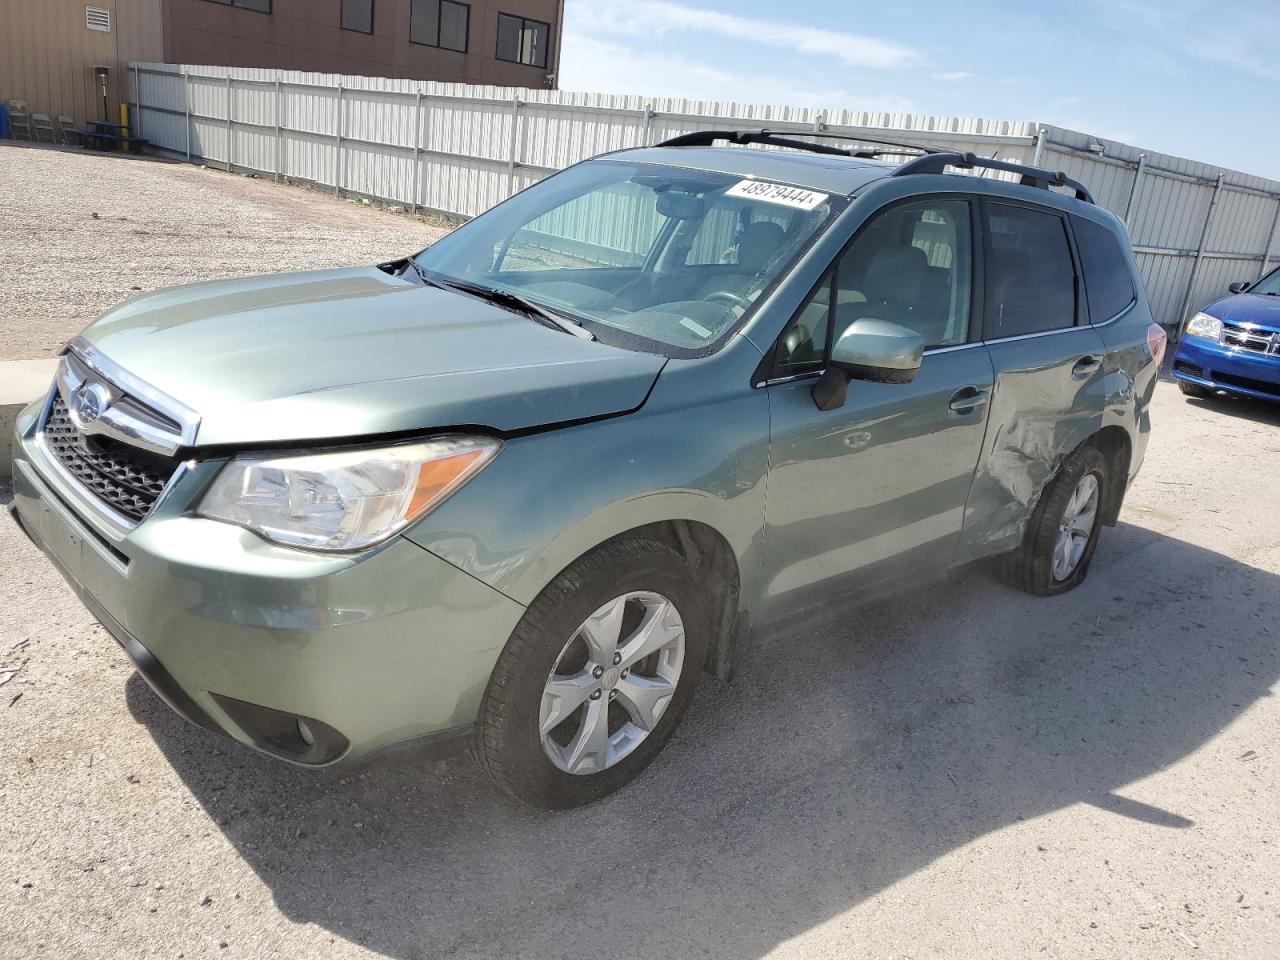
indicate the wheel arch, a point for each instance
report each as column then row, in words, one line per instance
column 1115, row 444
column 716, row 564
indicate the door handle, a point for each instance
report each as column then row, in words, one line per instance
column 968, row 398
column 1085, row 366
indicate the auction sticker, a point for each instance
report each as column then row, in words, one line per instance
column 776, row 193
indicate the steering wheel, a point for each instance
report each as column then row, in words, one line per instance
column 728, row 296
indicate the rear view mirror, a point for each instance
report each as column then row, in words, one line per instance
column 680, row 206
column 869, row 349
column 1240, row 287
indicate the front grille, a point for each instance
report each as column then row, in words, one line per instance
column 1247, row 338
column 126, row 479
column 1248, row 383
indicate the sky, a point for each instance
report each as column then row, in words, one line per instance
column 1189, row 77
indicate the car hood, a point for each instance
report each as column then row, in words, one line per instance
column 1252, row 308
column 358, row 352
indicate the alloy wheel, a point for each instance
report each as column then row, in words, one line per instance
column 1076, row 527
column 612, row 682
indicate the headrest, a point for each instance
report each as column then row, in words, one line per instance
column 895, row 275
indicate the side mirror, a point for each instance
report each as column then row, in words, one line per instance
column 1240, row 287
column 869, row 349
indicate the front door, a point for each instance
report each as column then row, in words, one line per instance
column 877, row 488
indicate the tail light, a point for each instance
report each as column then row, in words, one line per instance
column 1157, row 340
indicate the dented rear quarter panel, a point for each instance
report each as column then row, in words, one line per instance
column 1131, row 370
column 1131, row 379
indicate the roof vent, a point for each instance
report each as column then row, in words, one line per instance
column 96, row 18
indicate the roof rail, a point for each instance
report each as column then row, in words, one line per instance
column 776, row 138
column 931, row 159
column 1031, row 176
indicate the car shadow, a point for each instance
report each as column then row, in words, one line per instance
column 1243, row 408
column 842, row 761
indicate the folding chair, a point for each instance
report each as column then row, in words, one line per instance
column 66, row 125
column 19, row 120
column 41, row 126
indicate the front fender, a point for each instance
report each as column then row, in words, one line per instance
column 550, row 497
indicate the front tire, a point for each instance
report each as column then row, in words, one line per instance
column 596, row 676
column 1194, row 390
column 1063, row 532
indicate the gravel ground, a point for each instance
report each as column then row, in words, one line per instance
column 82, row 231
column 973, row 773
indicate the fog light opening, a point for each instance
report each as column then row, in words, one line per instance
column 302, row 739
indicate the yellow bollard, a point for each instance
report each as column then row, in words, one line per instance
column 124, row 126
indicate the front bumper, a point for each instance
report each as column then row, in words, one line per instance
column 1217, row 367
column 373, row 651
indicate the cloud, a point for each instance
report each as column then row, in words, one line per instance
column 954, row 76
column 601, row 66
column 1202, row 30
column 656, row 19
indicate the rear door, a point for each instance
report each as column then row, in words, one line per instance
column 876, row 489
column 1049, row 365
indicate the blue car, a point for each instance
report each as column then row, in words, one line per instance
column 1234, row 344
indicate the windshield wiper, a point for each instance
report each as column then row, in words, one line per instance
column 512, row 301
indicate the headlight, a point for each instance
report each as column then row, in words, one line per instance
column 1203, row 325
column 344, row 500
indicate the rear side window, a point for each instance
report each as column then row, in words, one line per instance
column 1031, row 277
column 1107, row 280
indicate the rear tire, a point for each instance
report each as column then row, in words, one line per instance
column 1057, row 550
column 563, row 722
column 1194, row 390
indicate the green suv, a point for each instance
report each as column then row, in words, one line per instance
column 519, row 490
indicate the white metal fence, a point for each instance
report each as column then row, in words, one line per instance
column 456, row 149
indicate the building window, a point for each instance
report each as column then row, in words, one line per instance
column 440, row 23
column 262, row 6
column 357, row 15
column 521, row 40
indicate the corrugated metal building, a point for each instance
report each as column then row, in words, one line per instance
column 508, row 42
column 49, row 49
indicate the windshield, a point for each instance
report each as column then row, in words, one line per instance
column 1268, row 285
column 650, row 256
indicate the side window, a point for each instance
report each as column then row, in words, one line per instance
column 1031, row 278
column 911, row 264
column 1107, row 280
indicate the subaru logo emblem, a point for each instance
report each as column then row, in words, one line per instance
column 89, row 403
